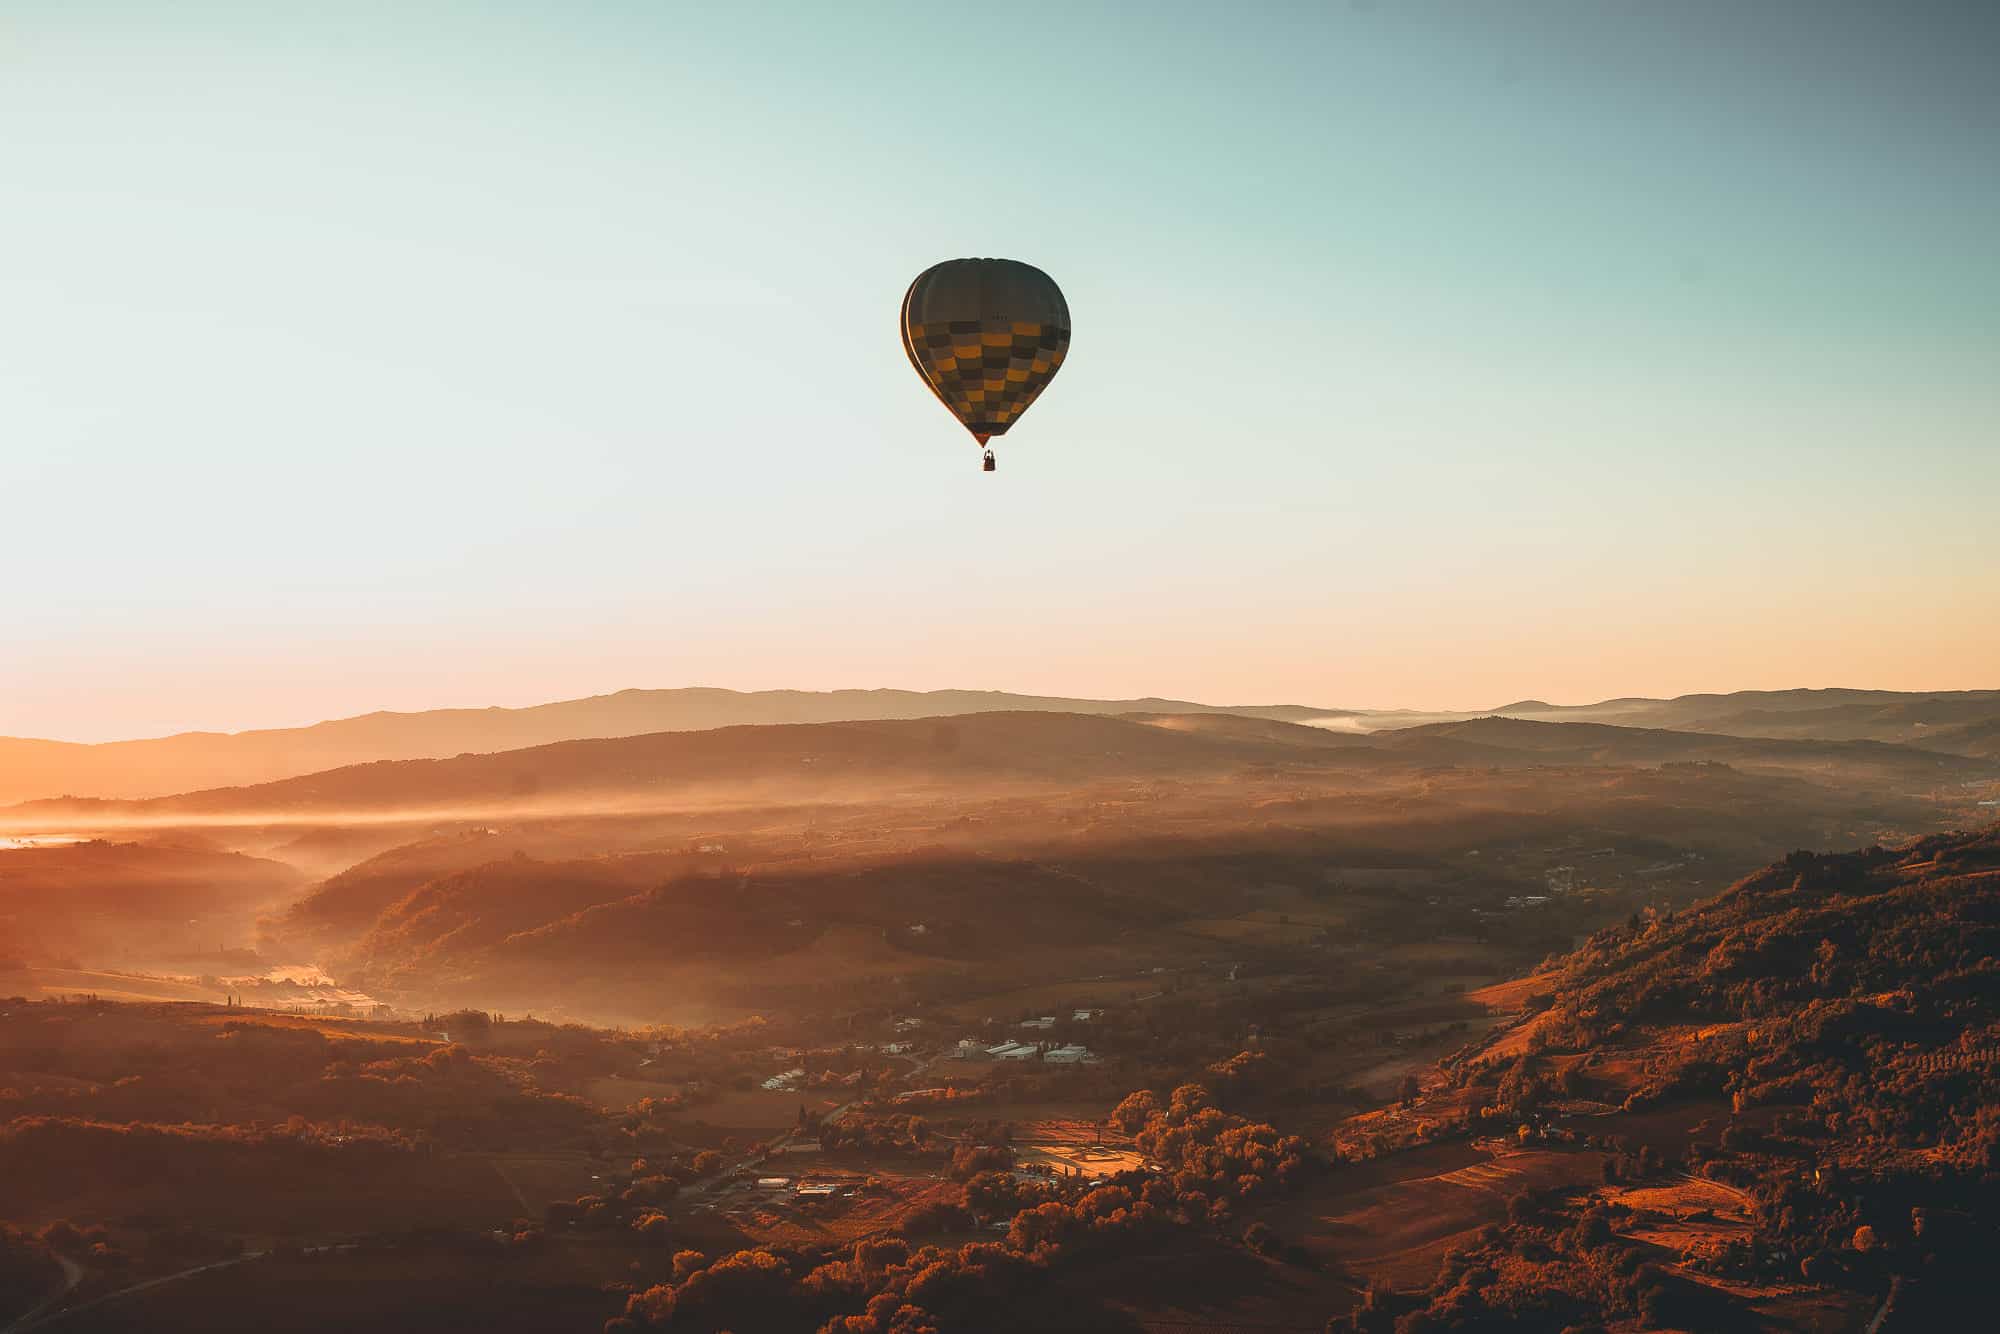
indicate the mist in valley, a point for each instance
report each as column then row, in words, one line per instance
column 701, row 877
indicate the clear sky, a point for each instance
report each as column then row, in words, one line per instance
column 408, row 354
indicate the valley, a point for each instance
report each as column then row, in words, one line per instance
column 698, row 1030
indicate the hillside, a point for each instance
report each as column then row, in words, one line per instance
column 1791, row 1088
column 113, row 901
column 195, row 760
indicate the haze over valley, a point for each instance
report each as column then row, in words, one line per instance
column 657, row 877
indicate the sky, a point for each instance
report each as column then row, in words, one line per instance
column 1426, row 355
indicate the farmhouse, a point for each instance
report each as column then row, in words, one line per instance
column 1013, row 1051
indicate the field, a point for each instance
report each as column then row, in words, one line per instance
column 35, row 983
column 869, row 1199
column 1072, row 1146
column 1394, row 1219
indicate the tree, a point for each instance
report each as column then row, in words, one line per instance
column 1132, row 1114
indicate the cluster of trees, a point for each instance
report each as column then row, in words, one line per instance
column 895, row 1286
column 892, row 1132
column 1211, row 1159
column 636, row 1198
column 969, row 1160
column 1542, row 1271
column 1247, row 1072
column 891, row 1287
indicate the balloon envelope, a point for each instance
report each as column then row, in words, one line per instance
column 987, row 335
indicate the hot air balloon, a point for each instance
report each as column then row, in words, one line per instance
column 987, row 335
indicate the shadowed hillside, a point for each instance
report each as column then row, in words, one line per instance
column 112, row 901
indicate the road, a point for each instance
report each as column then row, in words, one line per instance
column 527, row 1210
column 72, row 1275
column 55, row 1318
column 1875, row 1325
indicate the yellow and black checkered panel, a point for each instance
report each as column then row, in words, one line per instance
column 987, row 336
column 987, row 371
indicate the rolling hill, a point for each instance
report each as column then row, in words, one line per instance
column 1566, row 742
column 131, row 900
column 1923, row 718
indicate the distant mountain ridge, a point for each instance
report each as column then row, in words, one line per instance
column 191, row 761
column 1949, row 722
column 793, row 758
column 795, row 761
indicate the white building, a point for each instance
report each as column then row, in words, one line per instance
column 1073, row 1054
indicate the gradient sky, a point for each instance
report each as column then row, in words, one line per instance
column 401, row 355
